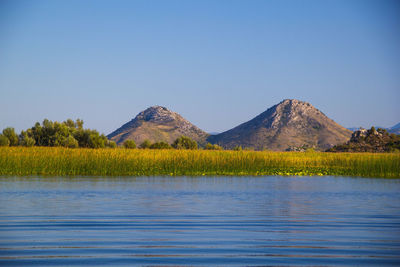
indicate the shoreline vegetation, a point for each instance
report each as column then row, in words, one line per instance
column 61, row 161
column 67, row 149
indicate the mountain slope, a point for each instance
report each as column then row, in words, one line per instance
column 395, row 129
column 289, row 125
column 157, row 124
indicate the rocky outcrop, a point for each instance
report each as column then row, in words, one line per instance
column 157, row 124
column 372, row 140
column 358, row 134
column 395, row 129
column 289, row 125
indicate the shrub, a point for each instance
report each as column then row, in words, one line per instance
column 130, row 144
column 71, row 142
column 4, row 140
column 145, row 144
column 213, row 147
column 184, row 142
column 11, row 135
column 96, row 140
column 111, row 144
column 160, row 145
column 25, row 140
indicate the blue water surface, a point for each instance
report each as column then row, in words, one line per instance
column 181, row 221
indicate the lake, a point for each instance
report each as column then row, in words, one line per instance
column 205, row 221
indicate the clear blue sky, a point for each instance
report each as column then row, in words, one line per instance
column 217, row 63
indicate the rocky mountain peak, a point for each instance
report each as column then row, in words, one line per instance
column 289, row 111
column 157, row 114
column 290, row 123
column 157, row 124
column 291, row 106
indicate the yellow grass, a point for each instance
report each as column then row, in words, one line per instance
column 20, row 161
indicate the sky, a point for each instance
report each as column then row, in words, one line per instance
column 218, row 63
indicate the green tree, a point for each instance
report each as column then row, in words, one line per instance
column 79, row 124
column 146, row 144
column 67, row 133
column 90, row 138
column 11, row 135
column 26, row 140
column 96, row 140
column 70, row 142
column 48, row 133
column 184, row 142
column 111, row 144
column 213, row 147
column 4, row 140
column 70, row 123
column 130, row 144
column 160, row 145
column 82, row 136
column 61, row 134
column 37, row 134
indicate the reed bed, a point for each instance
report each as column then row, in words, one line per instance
column 52, row 161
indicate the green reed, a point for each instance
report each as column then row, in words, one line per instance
column 20, row 161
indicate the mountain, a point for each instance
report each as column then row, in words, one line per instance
column 157, row 124
column 397, row 126
column 373, row 140
column 395, row 129
column 289, row 125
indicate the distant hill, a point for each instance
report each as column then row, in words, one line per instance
column 289, row 125
column 353, row 129
column 157, row 124
column 395, row 129
column 372, row 140
column 397, row 126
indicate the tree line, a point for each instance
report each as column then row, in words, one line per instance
column 71, row 134
column 182, row 142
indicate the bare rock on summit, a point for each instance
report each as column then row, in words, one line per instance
column 157, row 124
column 289, row 125
column 358, row 134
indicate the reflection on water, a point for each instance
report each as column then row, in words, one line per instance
column 199, row 221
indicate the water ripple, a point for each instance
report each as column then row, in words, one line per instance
column 247, row 221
